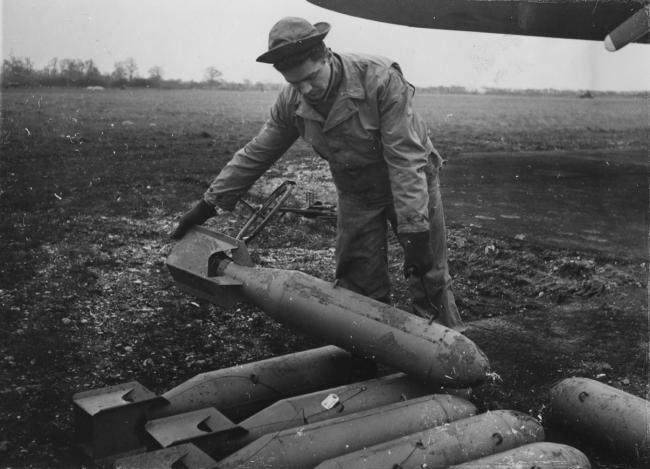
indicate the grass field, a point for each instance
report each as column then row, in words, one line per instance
column 71, row 147
column 91, row 183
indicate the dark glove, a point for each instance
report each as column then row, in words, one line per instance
column 418, row 257
column 197, row 216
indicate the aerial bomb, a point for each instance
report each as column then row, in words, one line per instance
column 455, row 442
column 609, row 415
column 218, row 268
column 308, row 445
column 323, row 405
column 340, row 401
column 109, row 420
column 243, row 390
column 540, row 455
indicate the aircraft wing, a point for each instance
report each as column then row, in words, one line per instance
column 616, row 22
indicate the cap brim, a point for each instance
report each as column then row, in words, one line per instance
column 278, row 53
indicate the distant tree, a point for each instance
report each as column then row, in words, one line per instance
column 156, row 72
column 92, row 74
column 156, row 75
column 52, row 68
column 72, row 71
column 119, row 72
column 18, row 71
column 125, row 70
column 212, row 76
column 131, row 68
column 49, row 75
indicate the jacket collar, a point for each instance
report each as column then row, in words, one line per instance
column 350, row 89
column 351, row 86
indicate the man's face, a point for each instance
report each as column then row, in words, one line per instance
column 310, row 78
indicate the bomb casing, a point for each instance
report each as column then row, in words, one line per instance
column 540, row 455
column 242, row 390
column 326, row 404
column 452, row 443
column 609, row 415
column 219, row 268
column 109, row 421
column 308, row 445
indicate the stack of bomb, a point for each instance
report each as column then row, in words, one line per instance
column 111, row 421
column 390, row 421
column 418, row 419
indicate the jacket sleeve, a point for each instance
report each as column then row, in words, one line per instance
column 250, row 162
column 407, row 149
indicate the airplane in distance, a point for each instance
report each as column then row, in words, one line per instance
column 616, row 22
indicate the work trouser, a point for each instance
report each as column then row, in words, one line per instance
column 362, row 255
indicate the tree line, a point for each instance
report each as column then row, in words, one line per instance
column 20, row 72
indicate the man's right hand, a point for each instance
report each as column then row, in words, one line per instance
column 197, row 216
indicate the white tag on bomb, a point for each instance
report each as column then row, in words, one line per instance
column 330, row 401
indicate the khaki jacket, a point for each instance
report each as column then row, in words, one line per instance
column 376, row 145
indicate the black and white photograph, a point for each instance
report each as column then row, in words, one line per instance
column 332, row 234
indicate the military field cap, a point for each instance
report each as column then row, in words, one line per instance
column 290, row 36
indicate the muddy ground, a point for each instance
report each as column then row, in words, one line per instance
column 548, row 250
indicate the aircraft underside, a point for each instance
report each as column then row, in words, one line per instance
column 617, row 22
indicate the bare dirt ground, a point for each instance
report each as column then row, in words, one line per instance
column 547, row 238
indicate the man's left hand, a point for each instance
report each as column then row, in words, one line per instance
column 418, row 256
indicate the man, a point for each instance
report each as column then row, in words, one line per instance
column 356, row 112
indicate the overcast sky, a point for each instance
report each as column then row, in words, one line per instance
column 184, row 37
